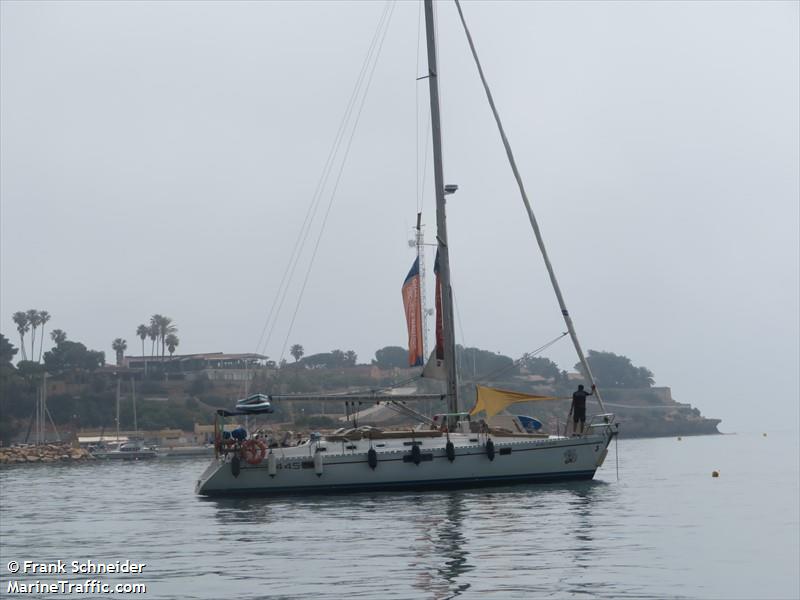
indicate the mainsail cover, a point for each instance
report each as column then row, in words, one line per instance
column 412, row 302
column 493, row 400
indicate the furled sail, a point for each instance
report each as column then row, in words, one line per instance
column 435, row 367
column 493, row 400
column 412, row 302
column 439, row 352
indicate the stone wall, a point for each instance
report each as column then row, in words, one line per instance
column 45, row 453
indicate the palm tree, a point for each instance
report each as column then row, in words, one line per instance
column 58, row 336
column 297, row 351
column 167, row 329
column 143, row 331
column 155, row 322
column 119, row 346
column 152, row 333
column 21, row 320
column 155, row 328
column 33, row 319
column 44, row 317
column 164, row 327
column 172, row 342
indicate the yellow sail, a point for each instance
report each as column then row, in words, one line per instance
column 493, row 400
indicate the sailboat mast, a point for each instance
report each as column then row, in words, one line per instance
column 119, row 386
column 133, row 394
column 441, row 220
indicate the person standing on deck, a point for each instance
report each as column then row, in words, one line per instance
column 578, row 408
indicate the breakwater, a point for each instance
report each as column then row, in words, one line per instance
column 45, row 453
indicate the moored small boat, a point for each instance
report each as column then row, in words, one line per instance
column 125, row 451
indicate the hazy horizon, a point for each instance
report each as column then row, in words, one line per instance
column 161, row 157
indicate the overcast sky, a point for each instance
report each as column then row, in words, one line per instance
column 161, row 157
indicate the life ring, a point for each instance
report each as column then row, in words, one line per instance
column 254, row 451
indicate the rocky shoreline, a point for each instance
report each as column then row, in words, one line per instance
column 46, row 453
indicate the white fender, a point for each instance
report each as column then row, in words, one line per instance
column 272, row 464
column 318, row 464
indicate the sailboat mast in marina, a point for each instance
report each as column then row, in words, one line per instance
column 448, row 330
column 455, row 449
column 131, row 450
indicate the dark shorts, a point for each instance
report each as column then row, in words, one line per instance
column 579, row 414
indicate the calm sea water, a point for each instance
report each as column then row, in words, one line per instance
column 665, row 529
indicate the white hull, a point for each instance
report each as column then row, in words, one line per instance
column 344, row 465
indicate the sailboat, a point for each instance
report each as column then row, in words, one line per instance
column 131, row 449
column 453, row 450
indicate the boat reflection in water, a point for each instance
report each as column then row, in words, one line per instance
column 441, row 544
column 443, row 554
column 470, row 541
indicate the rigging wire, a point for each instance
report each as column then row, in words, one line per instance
column 464, row 337
column 519, row 361
column 495, row 373
column 531, row 217
column 303, row 233
column 421, row 183
column 416, row 100
column 407, row 411
column 402, row 408
column 330, row 161
column 376, row 390
column 426, row 138
column 338, row 176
